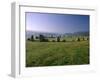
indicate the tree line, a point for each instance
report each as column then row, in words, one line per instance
column 42, row 38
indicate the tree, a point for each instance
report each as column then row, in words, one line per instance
column 83, row 39
column 87, row 38
column 42, row 38
column 53, row 40
column 58, row 39
column 28, row 39
column 37, row 37
column 32, row 38
column 78, row 39
column 63, row 40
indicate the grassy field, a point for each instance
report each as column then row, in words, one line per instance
column 57, row 53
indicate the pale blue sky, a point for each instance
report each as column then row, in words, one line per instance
column 56, row 23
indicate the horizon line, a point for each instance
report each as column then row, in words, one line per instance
column 56, row 32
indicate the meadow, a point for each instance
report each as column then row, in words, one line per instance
column 57, row 53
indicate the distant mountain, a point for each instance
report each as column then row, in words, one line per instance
column 81, row 33
column 78, row 34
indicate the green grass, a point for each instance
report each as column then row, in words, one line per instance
column 56, row 53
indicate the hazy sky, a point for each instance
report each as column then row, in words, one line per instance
column 59, row 23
